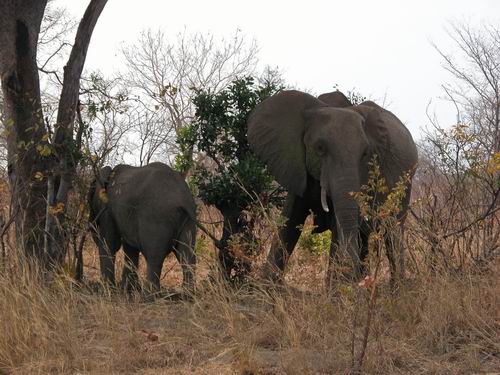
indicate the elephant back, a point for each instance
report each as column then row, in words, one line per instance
column 155, row 185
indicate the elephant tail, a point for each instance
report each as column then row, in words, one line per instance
column 204, row 229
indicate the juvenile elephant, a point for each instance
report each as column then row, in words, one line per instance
column 319, row 149
column 146, row 209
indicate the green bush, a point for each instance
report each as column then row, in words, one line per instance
column 315, row 243
column 232, row 176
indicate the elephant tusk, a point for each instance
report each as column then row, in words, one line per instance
column 324, row 203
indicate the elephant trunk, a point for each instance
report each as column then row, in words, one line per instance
column 348, row 230
column 346, row 211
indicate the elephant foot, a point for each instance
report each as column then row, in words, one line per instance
column 344, row 274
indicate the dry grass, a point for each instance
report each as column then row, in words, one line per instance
column 440, row 324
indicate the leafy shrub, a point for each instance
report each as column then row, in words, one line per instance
column 315, row 243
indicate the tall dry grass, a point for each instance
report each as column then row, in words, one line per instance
column 439, row 324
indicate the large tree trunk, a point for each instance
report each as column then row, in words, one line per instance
column 39, row 211
column 23, row 119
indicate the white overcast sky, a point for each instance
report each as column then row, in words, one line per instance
column 377, row 47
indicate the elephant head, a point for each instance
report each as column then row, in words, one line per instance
column 335, row 99
column 297, row 134
column 97, row 192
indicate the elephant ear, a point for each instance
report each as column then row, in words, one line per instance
column 105, row 176
column 335, row 99
column 101, row 180
column 275, row 133
column 97, row 196
column 375, row 124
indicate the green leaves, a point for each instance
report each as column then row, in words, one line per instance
column 186, row 139
column 235, row 185
column 100, row 100
column 315, row 243
column 232, row 176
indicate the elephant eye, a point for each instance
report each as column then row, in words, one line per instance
column 365, row 154
column 320, row 148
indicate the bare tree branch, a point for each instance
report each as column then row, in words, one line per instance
column 163, row 75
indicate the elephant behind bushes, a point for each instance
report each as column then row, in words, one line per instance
column 320, row 149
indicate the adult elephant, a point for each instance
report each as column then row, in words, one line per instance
column 320, row 149
column 146, row 209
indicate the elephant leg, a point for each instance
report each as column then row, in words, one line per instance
column 389, row 249
column 230, row 227
column 155, row 254
column 107, row 252
column 363, row 254
column 334, row 247
column 333, row 256
column 107, row 237
column 402, row 255
column 296, row 211
column 107, row 261
column 157, row 244
column 154, row 266
column 184, row 252
column 395, row 248
column 401, row 235
column 130, row 279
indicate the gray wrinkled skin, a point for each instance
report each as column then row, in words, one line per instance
column 146, row 209
column 321, row 147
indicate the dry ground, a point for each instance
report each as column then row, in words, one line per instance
column 440, row 324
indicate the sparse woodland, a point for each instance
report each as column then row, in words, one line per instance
column 185, row 102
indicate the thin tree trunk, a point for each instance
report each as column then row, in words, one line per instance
column 60, row 182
